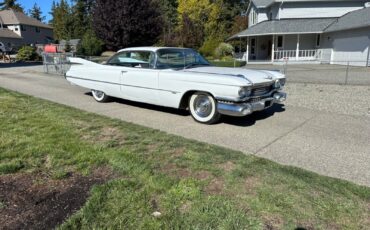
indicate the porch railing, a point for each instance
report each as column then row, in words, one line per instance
column 303, row 55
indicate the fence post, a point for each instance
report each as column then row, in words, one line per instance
column 286, row 66
column 346, row 81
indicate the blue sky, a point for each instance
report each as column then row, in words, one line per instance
column 44, row 4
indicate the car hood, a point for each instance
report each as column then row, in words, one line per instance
column 253, row 76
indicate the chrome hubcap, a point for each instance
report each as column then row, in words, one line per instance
column 202, row 106
column 98, row 94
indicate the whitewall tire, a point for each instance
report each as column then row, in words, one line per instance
column 99, row 96
column 203, row 108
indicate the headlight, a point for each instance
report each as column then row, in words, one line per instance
column 245, row 92
column 279, row 83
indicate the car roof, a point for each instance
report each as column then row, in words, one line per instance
column 148, row 48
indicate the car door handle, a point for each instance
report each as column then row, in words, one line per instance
column 123, row 71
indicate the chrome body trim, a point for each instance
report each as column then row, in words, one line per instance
column 243, row 109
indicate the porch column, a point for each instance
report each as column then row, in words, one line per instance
column 247, row 51
column 297, row 51
column 273, row 49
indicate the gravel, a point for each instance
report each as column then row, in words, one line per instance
column 339, row 99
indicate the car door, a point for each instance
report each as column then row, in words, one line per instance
column 139, row 79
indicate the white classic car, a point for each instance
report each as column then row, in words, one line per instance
column 179, row 78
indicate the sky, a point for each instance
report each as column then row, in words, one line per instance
column 44, row 4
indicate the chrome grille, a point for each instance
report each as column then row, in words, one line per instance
column 261, row 90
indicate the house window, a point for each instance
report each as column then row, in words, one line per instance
column 253, row 46
column 37, row 29
column 253, row 17
column 23, row 28
column 15, row 28
column 280, row 42
column 318, row 40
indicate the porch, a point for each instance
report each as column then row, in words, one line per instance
column 281, row 48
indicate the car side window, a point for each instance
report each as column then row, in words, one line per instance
column 134, row 59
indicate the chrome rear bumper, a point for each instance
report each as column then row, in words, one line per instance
column 243, row 109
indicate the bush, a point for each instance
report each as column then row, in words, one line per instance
column 27, row 53
column 208, row 47
column 90, row 45
column 224, row 50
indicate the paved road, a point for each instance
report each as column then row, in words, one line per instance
column 331, row 144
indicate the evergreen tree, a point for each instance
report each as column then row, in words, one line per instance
column 62, row 21
column 52, row 12
column 11, row 4
column 36, row 13
column 170, row 20
column 127, row 23
column 81, row 13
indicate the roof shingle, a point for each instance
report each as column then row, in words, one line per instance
column 12, row 17
column 6, row 33
column 287, row 26
column 355, row 19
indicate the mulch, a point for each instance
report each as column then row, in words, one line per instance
column 35, row 201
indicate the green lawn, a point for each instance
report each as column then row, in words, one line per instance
column 192, row 184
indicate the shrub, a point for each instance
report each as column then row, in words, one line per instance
column 90, row 45
column 223, row 50
column 208, row 47
column 27, row 53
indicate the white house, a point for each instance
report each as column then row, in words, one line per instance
column 331, row 31
column 17, row 29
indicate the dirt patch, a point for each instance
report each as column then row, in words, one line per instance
column 178, row 152
column 272, row 222
column 215, row 187
column 185, row 208
column 112, row 136
column 251, row 183
column 35, row 201
column 203, row 175
column 173, row 170
column 227, row 167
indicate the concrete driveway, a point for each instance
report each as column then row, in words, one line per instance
column 325, row 141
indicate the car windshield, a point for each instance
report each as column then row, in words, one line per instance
column 179, row 59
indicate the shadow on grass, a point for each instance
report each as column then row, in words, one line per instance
column 237, row 121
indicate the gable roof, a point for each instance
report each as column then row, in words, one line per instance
column 12, row 17
column 267, row 3
column 352, row 20
column 262, row 3
column 287, row 26
column 6, row 33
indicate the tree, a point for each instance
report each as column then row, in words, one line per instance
column 11, row 4
column 127, row 23
column 170, row 20
column 52, row 12
column 81, row 14
column 191, row 33
column 36, row 13
column 90, row 44
column 62, row 20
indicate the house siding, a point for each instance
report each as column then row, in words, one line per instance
column 318, row 9
column 12, row 42
column 32, row 37
column 348, row 46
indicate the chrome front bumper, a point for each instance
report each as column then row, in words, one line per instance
column 243, row 109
